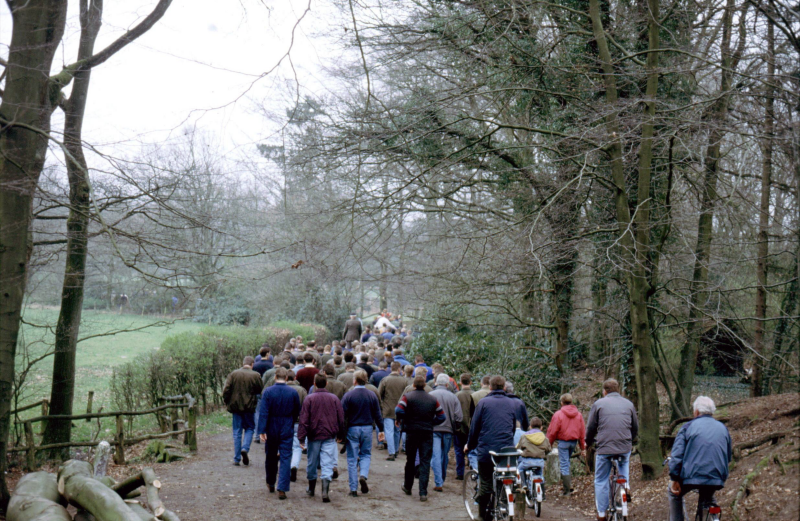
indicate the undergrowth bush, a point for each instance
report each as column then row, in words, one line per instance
column 197, row 363
column 483, row 351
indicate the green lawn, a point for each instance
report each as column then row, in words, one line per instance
column 96, row 355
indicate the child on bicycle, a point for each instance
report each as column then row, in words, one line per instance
column 534, row 446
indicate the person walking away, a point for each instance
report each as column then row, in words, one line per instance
column 278, row 411
column 461, row 433
column 365, row 365
column 419, row 413
column 534, row 446
column 297, row 452
column 334, row 386
column 492, row 429
column 361, row 411
column 567, row 430
column 305, row 376
column 265, row 363
column 419, row 361
column 612, row 426
column 700, row 457
column 382, row 372
column 352, row 330
column 322, row 422
column 240, row 395
column 419, row 371
column 346, row 378
column 390, row 391
column 476, row 397
column 443, row 434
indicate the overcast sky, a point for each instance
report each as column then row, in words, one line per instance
column 202, row 64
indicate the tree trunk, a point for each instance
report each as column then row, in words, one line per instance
column 635, row 244
column 24, row 124
column 763, row 220
column 66, row 340
column 699, row 295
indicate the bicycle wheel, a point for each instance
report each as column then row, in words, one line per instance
column 530, row 490
column 537, row 508
column 618, row 509
column 500, row 502
column 469, row 492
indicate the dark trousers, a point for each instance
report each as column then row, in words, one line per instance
column 460, row 441
column 422, row 442
column 485, row 487
column 278, row 449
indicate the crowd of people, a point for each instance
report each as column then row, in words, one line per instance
column 306, row 398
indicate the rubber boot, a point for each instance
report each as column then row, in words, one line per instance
column 566, row 481
column 326, row 483
column 312, row 486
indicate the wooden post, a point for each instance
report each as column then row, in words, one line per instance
column 30, row 455
column 191, row 436
column 175, row 424
column 43, row 425
column 89, row 405
column 119, row 457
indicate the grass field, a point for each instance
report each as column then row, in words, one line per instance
column 97, row 355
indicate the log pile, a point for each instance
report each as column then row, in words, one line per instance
column 42, row 496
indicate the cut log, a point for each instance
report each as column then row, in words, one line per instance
column 771, row 437
column 107, row 481
column 32, row 508
column 152, row 485
column 140, row 511
column 76, row 484
column 40, row 484
column 83, row 515
column 169, row 515
column 101, row 456
column 125, row 487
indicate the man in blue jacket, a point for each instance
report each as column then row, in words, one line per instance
column 700, row 457
column 398, row 357
column 362, row 410
column 420, row 362
column 492, row 428
column 277, row 413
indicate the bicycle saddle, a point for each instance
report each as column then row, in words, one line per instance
column 506, row 452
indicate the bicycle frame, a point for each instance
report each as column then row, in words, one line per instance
column 505, row 476
column 617, row 481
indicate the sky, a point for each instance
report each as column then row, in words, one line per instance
column 202, row 65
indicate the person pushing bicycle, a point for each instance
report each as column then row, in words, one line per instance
column 612, row 426
column 699, row 459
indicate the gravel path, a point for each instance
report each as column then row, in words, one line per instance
column 208, row 487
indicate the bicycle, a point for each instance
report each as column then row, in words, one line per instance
column 501, row 501
column 533, row 483
column 618, row 509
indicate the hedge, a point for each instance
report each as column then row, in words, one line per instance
column 198, row 363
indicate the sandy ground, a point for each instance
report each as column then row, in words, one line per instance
column 208, row 486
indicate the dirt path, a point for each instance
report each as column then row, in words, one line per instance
column 208, row 487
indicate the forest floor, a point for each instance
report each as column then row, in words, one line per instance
column 207, row 487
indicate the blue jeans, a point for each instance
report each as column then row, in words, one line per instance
column 565, row 450
column 602, row 469
column 473, row 459
column 321, row 453
column 441, row 456
column 392, row 435
column 297, row 452
column 242, row 421
column 524, row 464
column 359, row 453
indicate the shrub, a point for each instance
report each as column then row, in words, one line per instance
column 197, row 363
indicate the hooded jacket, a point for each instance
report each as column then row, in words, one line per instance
column 567, row 425
column 534, row 444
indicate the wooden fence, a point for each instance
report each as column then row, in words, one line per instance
column 170, row 426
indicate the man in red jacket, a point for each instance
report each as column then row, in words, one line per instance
column 568, row 428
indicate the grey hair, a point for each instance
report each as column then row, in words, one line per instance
column 509, row 387
column 704, row 405
column 442, row 379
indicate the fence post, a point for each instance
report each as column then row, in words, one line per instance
column 191, row 436
column 161, row 416
column 30, row 455
column 89, row 405
column 45, row 406
column 119, row 457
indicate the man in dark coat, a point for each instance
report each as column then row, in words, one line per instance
column 465, row 399
column 493, row 426
column 240, row 394
column 277, row 413
column 419, row 413
column 322, row 422
column 352, row 330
